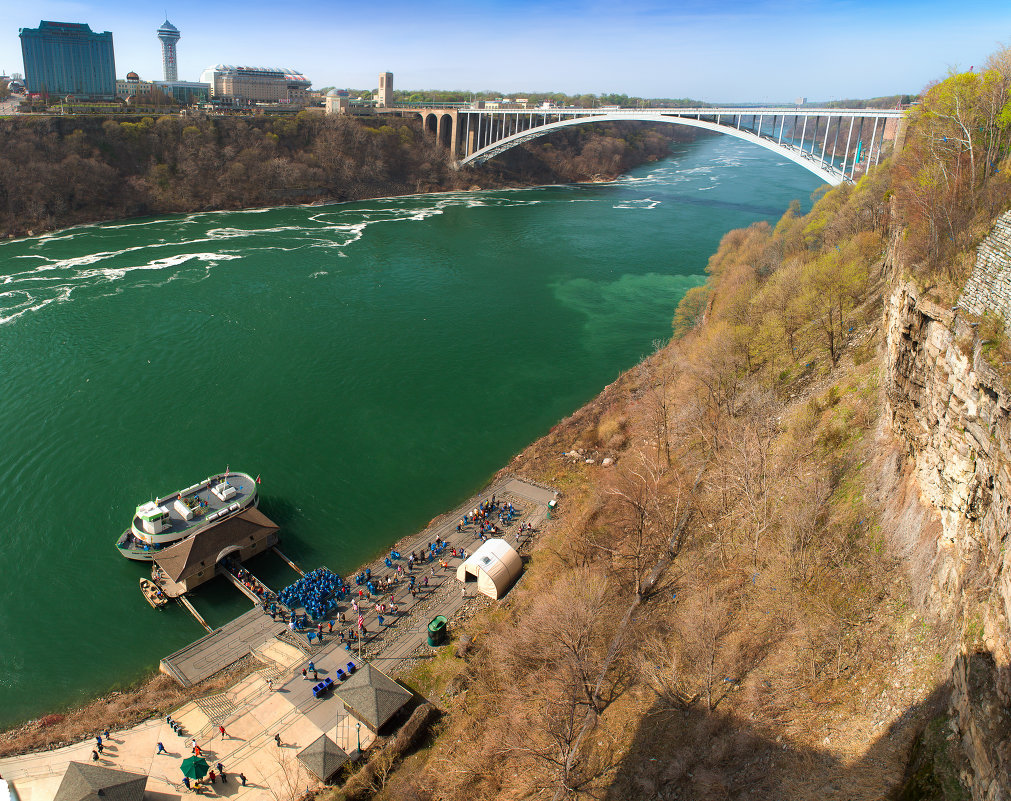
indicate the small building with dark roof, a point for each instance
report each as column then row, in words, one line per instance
column 194, row 560
column 84, row 782
column 372, row 697
column 323, row 758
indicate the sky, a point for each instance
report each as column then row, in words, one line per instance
column 733, row 50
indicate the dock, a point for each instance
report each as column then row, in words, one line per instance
column 241, row 587
column 291, row 564
column 186, row 602
column 222, row 647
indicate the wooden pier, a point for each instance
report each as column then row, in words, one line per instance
column 186, row 602
column 291, row 564
column 242, row 587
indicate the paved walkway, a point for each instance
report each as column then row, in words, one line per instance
column 218, row 650
column 252, row 713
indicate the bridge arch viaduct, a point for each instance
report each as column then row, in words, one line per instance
column 835, row 144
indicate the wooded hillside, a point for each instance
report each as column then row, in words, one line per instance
column 722, row 613
column 59, row 171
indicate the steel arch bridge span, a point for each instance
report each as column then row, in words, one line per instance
column 810, row 161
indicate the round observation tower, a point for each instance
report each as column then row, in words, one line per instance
column 169, row 35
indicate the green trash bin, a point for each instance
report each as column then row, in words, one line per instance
column 437, row 631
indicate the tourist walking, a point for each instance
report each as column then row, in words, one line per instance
column 270, row 684
column 222, row 730
column 161, row 749
column 242, row 778
column 277, row 739
column 221, row 773
column 94, row 755
column 186, row 782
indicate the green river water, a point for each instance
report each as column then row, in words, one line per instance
column 375, row 361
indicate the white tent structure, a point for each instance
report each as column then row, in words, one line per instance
column 495, row 566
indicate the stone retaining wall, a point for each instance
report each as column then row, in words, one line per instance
column 989, row 287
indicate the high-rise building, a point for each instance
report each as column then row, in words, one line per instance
column 68, row 58
column 169, row 35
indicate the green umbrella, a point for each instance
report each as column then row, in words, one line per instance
column 195, row 767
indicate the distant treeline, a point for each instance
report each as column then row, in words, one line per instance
column 888, row 101
column 558, row 98
column 614, row 99
column 60, row 171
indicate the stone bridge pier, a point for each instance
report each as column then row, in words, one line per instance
column 444, row 125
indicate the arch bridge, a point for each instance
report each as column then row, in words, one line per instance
column 836, row 144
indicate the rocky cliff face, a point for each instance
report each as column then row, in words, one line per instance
column 949, row 413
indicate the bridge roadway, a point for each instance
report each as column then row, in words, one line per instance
column 838, row 145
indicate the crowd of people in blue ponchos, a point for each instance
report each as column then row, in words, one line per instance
column 316, row 592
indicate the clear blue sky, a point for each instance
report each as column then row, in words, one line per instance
column 713, row 51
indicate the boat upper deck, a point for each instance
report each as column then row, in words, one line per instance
column 196, row 506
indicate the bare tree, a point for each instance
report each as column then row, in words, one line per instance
column 291, row 780
column 659, row 400
column 647, row 500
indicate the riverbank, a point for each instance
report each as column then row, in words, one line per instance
column 159, row 695
column 356, row 456
column 77, row 170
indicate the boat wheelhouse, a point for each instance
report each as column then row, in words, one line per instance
column 166, row 521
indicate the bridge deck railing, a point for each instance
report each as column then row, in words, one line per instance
column 707, row 111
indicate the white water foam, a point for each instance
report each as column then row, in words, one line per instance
column 645, row 203
column 336, row 227
column 33, row 290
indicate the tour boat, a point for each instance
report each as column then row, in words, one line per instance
column 153, row 594
column 166, row 521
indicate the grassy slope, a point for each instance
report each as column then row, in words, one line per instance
column 779, row 655
column 718, row 615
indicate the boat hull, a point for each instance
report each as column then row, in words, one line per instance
column 153, row 594
column 135, row 553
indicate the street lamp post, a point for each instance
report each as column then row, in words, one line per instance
column 358, row 729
